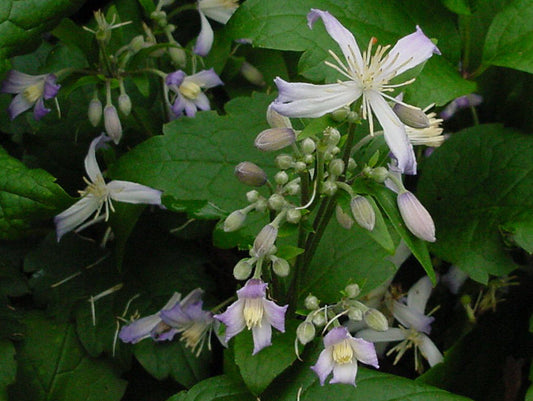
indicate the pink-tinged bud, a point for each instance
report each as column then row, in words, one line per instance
column 363, row 212
column 95, row 112
column 274, row 139
column 250, row 174
column 252, row 74
column 416, row 217
column 112, row 123
column 265, row 240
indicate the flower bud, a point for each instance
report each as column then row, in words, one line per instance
column 336, row 167
column 352, row 290
column 276, row 202
column 265, row 240
column 305, row 332
column 309, row 159
column 261, row 205
column 274, row 139
column 308, row 146
column 376, row 320
column 378, row 174
column 355, row 314
column 242, row 269
column 351, row 164
column 284, row 162
column 300, row 167
column 124, row 104
column 95, row 111
column 363, row 212
column 177, row 56
column 329, row 188
column 319, row 319
column 276, row 120
column 280, row 267
column 112, row 123
column 411, row 116
column 234, row 221
column 292, row 188
column 250, row 174
column 332, row 136
column 343, row 218
column 311, row 302
column 252, row 196
column 137, row 43
column 340, row 115
column 293, row 216
column 416, row 217
column 281, row 178
column 252, row 74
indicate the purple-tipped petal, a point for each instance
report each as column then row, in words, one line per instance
column 139, row 329
column 324, row 365
column 50, row 87
column 206, row 79
column 75, row 215
column 365, row 352
column 418, row 294
column 131, row 192
column 275, row 314
column 262, row 335
column 175, row 78
column 205, row 38
column 335, row 336
column 18, row 105
column 344, row 373
column 40, row 110
column 233, row 319
column 254, row 288
column 430, row 351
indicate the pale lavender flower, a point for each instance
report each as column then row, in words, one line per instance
column 217, row 10
column 415, row 325
column 340, row 355
column 30, row 90
column 368, row 77
column 254, row 311
column 98, row 195
column 188, row 91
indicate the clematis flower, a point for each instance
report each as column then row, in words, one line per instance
column 98, row 195
column 415, row 326
column 217, row 10
column 368, row 76
column 188, row 91
column 30, row 90
column 254, row 311
column 340, row 355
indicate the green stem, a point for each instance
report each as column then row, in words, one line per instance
column 475, row 117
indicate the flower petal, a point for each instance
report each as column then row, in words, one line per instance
column 75, row 215
column 40, row 110
column 192, row 297
column 392, row 334
column 139, row 329
column 233, row 318
column 205, row 38
column 335, row 336
column 418, row 294
column 411, row 318
column 324, row 365
column 275, row 314
column 205, row 79
column 262, row 335
column 254, row 288
column 339, row 34
column 18, row 105
column 131, row 192
column 308, row 100
column 202, row 102
column 16, row 81
column 50, row 87
column 174, row 79
column 91, row 165
column 430, row 351
column 394, row 132
column 344, row 373
column 190, row 108
column 365, row 352
column 218, row 10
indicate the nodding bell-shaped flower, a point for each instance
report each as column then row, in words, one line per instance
column 367, row 76
column 217, row 10
column 340, row 355
column 188, row 94
column 253, row 311
column 416, row 217
column 30, row 91
column 98, row 195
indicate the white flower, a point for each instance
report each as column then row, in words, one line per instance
column 98, row 195
column 368, row 78
column 218, row 10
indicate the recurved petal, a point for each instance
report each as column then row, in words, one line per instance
column 40, row 110
column 430, row 351
column 205, row 38
column 139, row 329
column 233, row 318
column 418, row 294
column 394, row 132
column 411, row 318
column 324, row 365
column 309, row 100
column 192, row 297
column 365, row 352
column 18, row 105
column 262, row 335
column 275, row 314
column 206, row 79
column 131, row 192
column 344, row 373
column 75, row 215
column 339, row 34
column 91, row 165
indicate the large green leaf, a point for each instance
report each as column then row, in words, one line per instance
column 53, row 366
column 8, row 367
column 478, row 182
column 509, row 41
column 23, row 21
column 218, row 388
column 28, row 197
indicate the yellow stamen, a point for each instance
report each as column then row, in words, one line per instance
column 34, row 92
column 190, row 90
column 342, row 352
column 253, row 312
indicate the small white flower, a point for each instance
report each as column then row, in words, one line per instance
column 217, row 10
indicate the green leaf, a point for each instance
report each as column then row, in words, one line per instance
column 479, row 180
column 218, row 388
column 23, row 21
column 53, row 365
column 195, row 159
column 520, row 231
column 28, row 198
column 509, row 41
column 259, row 370
column 8, row 367
column 461, row 7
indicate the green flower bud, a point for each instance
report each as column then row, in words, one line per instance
column 309, row 159
column 352, row 290
column 124, row 104
column 250, row 174
column 363, row 212
column 300, row 167
column 340, row 115
column 281, row 178
column 292, row 188
column 178, row 56
column 305, row 332
column 264, row 240
column 351, row 164
column 234, row 221
column 276, row 202
column 319, row 319
column 355, row 314
column 378, row 174
column 293, row 216
column 332, row 136
column 308, row 146
column 261, row 205
column 242, row 269
column 329, row 188
column 137, row 43
column 336, row 167
column 274, row 139
column 343, row 218
column 376, row 320
column 252, row 196
column 280, row 267
column 252, row 74
column 284, row 161
column 411, row 116
column 311, row 302
column 95, row 111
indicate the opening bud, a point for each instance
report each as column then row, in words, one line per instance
column 376, row 320
column 242, row 269
column 234, row 221
column 276, row 120
column 280, row 267
column 265, row 240
column 294, row 216
column 363, row 212
column 411, row 116
column 252, row 74
column 274, row 139
column 343, row 218
column 284, row 162
column 276, row 202
column 95, row 111
column 308, row 146
column 416, row 217
column 281, row 178
column 352, row 290
column 250, row 174
column 305, row 332
column 124, row 104
column 311, row 302
column 112, row 123
column 336, row 167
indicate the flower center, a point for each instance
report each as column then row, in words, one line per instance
column 253, row 312
column 190, row 90
column 34, row 92
column 193, row 334
column 99, row 190
column 342, row 352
